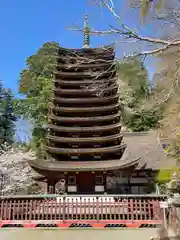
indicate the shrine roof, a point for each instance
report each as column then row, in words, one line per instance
column 147, row 147
column 144, row 151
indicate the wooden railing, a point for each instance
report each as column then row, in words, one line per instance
column 110, row 209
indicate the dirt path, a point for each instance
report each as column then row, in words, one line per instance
column 55, row 234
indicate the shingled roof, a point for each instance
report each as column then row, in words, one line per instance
column 147, row 147
column 144, row 151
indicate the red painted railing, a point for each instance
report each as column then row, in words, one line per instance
column 69, row 211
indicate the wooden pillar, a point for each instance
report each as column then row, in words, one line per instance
column 66, row 181
column 129, row 176
column 104, row 182
column 44, row 187
column 51, row 189
column 51, row 186
column 151, row 181
column 129, row 185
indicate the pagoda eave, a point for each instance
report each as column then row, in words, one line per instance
column 47, row 168
column 116, row 126
column 86, row 100
column 40, row 179
column 105, row 50
column 72, row 82
column 85, row 119
column 86, row 109
column 83, row 66
column 86, row 151
column 86, row 140
column 95, row 75
column 100, row 58
column 84, row 91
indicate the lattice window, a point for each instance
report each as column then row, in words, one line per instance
column 99, row 180
column 72, row 180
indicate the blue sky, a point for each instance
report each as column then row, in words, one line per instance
column 26, row 25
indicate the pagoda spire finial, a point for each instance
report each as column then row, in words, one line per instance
column 86, row 32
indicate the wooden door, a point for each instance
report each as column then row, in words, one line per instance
column 86, row 182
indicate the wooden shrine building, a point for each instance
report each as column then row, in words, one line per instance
column 85, row 142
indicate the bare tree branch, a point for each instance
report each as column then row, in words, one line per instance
column 125, row 31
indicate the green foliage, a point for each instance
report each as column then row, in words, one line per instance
column 39, row 66
column 134, row 93
column 143, row 120
column 7, row 117
column 173, row 148
column 165, row 175
column 133, row 73
column 36, row 85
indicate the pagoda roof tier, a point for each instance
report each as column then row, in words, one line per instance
column 49, row 168
column 85, row 91
column 144, row 151
column 72, row 82
column 87, row 100
column 87, row 139
column 85, row 119
column 82, row 65
column 87, row 74
column 101, row 50
column 86, row 129
column 86, row 151
column 87, row 109
column 84, row 58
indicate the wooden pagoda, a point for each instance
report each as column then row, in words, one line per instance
column 85, row 140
